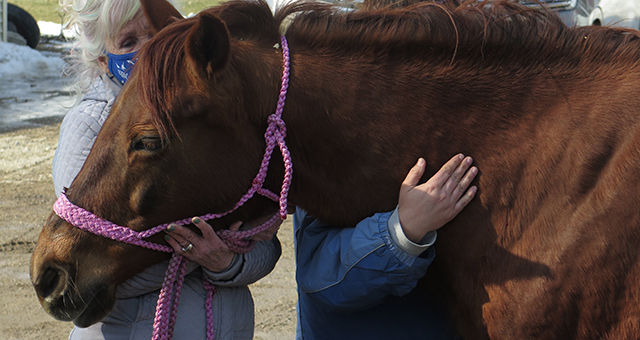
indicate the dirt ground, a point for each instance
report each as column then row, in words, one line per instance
column 26, row 198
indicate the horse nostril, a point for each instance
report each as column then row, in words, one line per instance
column 48, row 282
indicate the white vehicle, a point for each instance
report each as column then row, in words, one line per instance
column 621, row 13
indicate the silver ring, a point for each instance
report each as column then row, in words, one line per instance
column 188, row 248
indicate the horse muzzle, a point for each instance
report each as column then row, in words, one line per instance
column 65, row 300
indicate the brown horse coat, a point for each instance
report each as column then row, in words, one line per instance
column 549, row 248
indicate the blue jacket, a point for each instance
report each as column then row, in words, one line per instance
column 358, row 283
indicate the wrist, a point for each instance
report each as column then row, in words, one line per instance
column 221, row 268
column 229, row 273
column 399, row 237
column 414, row 229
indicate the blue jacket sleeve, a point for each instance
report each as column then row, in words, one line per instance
column 351, row 269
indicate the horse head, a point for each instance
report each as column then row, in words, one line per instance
column 178, row 142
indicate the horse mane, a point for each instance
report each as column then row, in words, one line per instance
column 472, row 31
column 504, row 36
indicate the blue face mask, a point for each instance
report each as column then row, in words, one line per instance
column 120, row 65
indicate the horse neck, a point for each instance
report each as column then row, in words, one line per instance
column 353, row 144
column 353, row 138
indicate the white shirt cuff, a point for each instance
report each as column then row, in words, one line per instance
column 398, row 236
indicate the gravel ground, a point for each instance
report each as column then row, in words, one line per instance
column 26, row 198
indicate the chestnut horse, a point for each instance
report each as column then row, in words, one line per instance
column 549, row 249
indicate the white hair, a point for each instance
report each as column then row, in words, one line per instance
column 94, row 22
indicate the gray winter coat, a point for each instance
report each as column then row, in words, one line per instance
column 132, row 316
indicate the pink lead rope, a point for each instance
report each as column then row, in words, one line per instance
column 238, row 241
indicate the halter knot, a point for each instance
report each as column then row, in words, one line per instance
column 277, row 125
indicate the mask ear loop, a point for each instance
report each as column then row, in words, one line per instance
column 108, row 72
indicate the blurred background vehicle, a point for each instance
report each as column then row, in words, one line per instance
column 18, row 26
column 621, row 13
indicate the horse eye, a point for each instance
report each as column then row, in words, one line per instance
column 146, row 144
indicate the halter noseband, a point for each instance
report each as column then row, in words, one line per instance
column 238, row 241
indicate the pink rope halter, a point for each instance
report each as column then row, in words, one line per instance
column 167, row 308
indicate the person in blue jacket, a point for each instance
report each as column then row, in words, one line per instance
column 358, row 283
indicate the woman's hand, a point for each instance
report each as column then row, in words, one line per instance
column 269, row 233
column 207, row 250
column 431, row 205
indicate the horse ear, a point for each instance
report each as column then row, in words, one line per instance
column 160, row 13
column 207, row 45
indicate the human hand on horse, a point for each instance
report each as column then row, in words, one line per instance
column 429, row 206
column 209, row 250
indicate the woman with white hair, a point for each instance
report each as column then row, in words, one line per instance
column 110, row 33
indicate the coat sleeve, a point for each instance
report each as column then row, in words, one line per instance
column 351, row 269
column 245, row 269
column 250, row 267
column 78, row 132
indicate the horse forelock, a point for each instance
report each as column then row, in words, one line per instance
column 159, row 67
column 162, row 60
